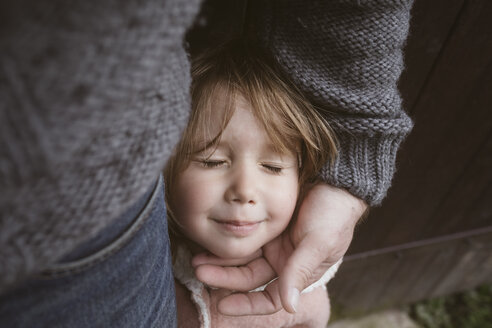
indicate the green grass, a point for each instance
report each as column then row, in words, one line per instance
column 471, row 309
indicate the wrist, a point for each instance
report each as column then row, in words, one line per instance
column 340, row 197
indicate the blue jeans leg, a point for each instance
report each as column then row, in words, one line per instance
column 121, row 278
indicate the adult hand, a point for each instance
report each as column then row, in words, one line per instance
column 318, row 239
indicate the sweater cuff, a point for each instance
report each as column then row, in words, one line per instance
column 365, row 163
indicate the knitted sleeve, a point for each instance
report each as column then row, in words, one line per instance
column 93, row 97
column 346, row 56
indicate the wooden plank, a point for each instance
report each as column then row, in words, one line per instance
column 471, row 269
column 482, row 274
column 453, row 120
column 357, row 282
column 431, row 24
column 468, row 204
column 402, row 277
column 422, row 268
column 412, row 264
column 442, row 262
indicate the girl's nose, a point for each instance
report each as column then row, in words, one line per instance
column 242, row 186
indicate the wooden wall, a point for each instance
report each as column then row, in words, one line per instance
column 433, row 234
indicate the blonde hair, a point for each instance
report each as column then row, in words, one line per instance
column 237, row 68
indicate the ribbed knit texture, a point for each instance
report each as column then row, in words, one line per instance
column 94, row 96
column 346, row 56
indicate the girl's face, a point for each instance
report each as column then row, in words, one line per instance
column 233, row 199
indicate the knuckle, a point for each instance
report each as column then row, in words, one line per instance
column 304, row 274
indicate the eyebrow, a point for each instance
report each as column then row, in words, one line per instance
column 270, row 148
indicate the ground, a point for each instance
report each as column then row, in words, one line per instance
column 385, row 319
column 469, row 309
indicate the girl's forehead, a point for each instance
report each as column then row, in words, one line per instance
column 216, row 112
column 226, row 109
column 224, row 100
column 244, row 135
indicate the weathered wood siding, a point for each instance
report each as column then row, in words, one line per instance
column 432, row 235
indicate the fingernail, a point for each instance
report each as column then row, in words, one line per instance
column 294, row 298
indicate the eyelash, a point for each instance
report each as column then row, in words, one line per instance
column 214, row 164
column 211, row 164
column 273, row 169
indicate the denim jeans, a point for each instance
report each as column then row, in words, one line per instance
column 121, row 278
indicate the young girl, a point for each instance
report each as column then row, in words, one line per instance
column 253, row 144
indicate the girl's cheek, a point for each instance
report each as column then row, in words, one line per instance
column 285, row 200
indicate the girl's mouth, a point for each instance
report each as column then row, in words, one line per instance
column 238, row 228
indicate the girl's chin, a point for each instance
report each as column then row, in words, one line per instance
column 232, row 253
column 224, row 253
column 227, row 250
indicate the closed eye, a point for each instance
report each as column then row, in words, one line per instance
column 272, row 168
column 211, row 164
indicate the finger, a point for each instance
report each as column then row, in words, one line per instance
column 208, row 258
column 256, row 303
column 242, row 278
column 306, row 265
column 278, row 251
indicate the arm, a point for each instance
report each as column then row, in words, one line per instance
column 346, row 56
column 93, row 96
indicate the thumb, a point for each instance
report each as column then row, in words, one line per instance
column 305, row 266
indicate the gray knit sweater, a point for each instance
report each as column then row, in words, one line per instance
column 94, row 95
